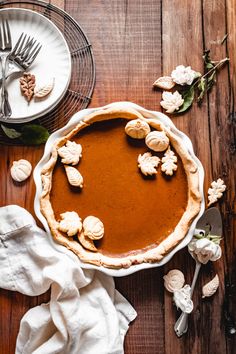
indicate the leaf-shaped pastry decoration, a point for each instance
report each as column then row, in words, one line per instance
column 27, row 85
column 216, row 192
column 148, row 163
column 164, row 82
column 169, row 162
column 70, row 223
column 210, row 288
column 44, row 90
column 74, row 176
column 70, row 153
column 86, row 242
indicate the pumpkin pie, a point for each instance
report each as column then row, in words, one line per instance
column 137, row 189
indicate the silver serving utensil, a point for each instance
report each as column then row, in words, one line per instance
column 211, row 223
column 5, row 49
column 20, row 58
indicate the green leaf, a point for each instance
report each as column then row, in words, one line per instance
column 197, row 75
column 202, row 89
column 32, row 134
column 188, row 97
column 10, row 132
column 209, row 66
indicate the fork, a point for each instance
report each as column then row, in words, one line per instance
column 21, row 57
column 5, row 49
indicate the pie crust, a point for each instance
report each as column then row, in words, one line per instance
column 154, row 254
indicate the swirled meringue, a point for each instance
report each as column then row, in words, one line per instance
column 174, row 280
column 204, row 250
column 183, row 75
column 93, row 228
column 182, row 299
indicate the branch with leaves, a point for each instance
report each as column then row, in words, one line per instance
column 190, row 84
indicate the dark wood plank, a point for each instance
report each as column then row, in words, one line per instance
column 214, row 29
column 230, row 122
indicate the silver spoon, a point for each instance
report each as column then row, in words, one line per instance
column 211, row 223
column 181, row 325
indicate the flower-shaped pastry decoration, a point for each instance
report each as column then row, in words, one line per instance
column 174, row 280
column 171, row 102
column 182, row 299
column 205, row 247
column 183, row 75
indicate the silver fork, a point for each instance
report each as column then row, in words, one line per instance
column 23, row 54
column 5, row 49
column 21, row 57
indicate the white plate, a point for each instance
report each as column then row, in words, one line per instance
column 53, row 61
column 70, row 125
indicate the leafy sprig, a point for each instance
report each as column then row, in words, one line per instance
column 203, row 83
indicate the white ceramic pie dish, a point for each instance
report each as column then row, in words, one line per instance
column 70, row 125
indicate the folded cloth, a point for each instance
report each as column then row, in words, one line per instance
column 85, row 314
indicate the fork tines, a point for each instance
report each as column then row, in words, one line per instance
column 5, row 35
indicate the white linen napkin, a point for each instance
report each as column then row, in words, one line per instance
column 85, row 314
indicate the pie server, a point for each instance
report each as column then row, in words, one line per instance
column 210, row 223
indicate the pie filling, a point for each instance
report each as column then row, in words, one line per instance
column 138, row 212
column 120, row 189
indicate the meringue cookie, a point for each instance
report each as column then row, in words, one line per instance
column 93, row 228
column 174, row 280
column 204, row 250
column 182, row 299
column 183, row 75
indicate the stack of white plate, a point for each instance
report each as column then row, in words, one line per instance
column 52, row 62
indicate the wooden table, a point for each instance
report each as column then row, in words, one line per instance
column 135, row 42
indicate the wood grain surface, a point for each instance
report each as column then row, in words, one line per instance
column 134, row 42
